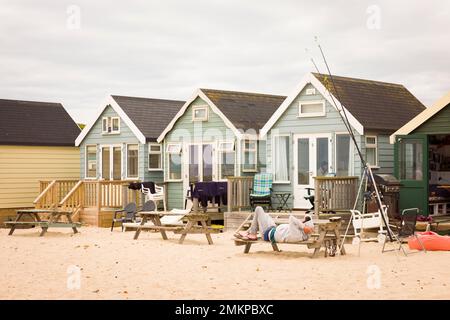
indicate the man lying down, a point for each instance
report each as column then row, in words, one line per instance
column 294, row 231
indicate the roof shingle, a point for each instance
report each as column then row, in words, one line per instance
column 36, row 123
column 380, row 106
column 244, row 109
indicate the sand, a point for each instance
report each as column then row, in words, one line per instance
column 114, row 266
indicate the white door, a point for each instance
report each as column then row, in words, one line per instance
column 312, row 157
column 199, row 163
column 111, row 160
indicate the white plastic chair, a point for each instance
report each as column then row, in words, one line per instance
column 159, row 195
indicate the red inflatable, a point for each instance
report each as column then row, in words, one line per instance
column 431, row 241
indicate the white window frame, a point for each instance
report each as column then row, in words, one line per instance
column 244, row 150
column 109, row 125
column 352, row 153
column 372, row 146
column 205, row 118
column 126, row 161
column 221, row 150
column 86, row 162
column 155, row 152
column 273, row 158
column 111, row 160
column 314, row 114
column 180, row 152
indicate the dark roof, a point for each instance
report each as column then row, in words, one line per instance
column 151, row 116
column 244, row 109
column 376, row 105
column 36, row 123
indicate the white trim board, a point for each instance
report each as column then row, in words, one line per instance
column 110, row 101
column 311, row 79
column 422, row 117
column 199, row 94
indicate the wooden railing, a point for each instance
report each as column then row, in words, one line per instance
column 74, row 200
column 52, row 192
column 238, row 193
column 334, row 193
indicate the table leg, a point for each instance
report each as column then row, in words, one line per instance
column 275, row 247
column 185, row 231
column 208, row 235
column 157, row 222
column 322, row 234
column 247, row 247
column 69, row 218
column 337, row 233
column 138, row 230
column 13, row 227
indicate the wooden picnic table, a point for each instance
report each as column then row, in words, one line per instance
column 52, row 222
column 190, row 227
column 328, row 236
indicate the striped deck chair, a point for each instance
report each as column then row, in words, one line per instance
column 261, row 193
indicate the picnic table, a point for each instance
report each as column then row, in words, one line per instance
column 193, row 219
column 328, row 237
column 54, row 220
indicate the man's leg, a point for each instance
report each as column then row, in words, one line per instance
column 261, row 221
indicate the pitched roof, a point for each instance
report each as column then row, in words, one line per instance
column 36, row 123
column 377, row 105
column 245, row 110
column 150, row 116
column 443, row 102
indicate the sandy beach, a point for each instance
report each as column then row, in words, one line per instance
column 114, row 266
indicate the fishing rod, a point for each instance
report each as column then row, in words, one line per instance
column 367, row 170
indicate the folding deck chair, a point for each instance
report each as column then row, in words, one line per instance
column 261, row 193
column 127, row 214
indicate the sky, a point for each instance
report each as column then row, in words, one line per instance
column 79, row 52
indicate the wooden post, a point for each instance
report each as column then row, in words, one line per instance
column 229, row 195
column 316, row 197
column 99, row 201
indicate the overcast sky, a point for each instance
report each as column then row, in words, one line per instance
column 167, row 49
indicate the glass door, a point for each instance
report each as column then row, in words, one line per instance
column 106, row 168
column 312, row 157
column 201, row 163
column 411, row 168
column 111, row 162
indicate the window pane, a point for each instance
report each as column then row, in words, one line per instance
column 281, row 158
column 115, row 125
column 174, row 166
column 207, row 163
column 371, row 156
column 117, row 163
column 371, row 140
column 155, row 148
column 343, row 155
column 200, row 113
column 227, row 164
column 411, row 160
column 226, row 146
column 105, row 124
column 249, row 160
column 105, row 163
column 322, row 157
column 91, row 162
column 194, row 168
column 312, row 108
column 154, row 161
column 303, row 161
column 250, row 145
column 132, row 161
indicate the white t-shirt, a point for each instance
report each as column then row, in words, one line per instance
column 293, row 231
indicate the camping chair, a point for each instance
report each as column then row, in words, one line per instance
column 261, row 193
column 407, row 229
column 310, row 198
column 127, row 214
column 159, row 195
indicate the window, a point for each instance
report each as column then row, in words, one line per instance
column 280, row 158
column 371, row 151
column 91, row 161
column 110, row 125
column 132, row 161
column 174, row 159
column 411, row 159
column 154, row 157
column 311, row 109
column 250, row 155
column 344, row 158
column 310, row 91
column 226, row 160
column 200, row 114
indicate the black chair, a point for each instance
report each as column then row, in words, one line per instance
column 310, row 198
column 149, row 206
column 127, row 214
column 406, row 229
